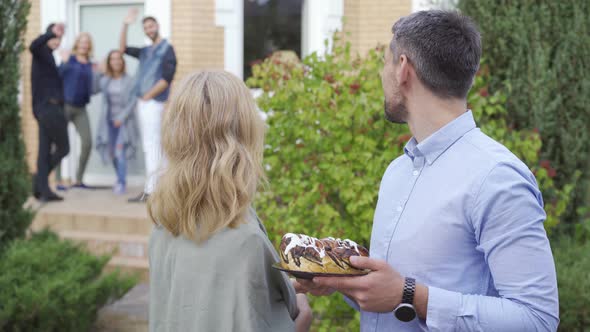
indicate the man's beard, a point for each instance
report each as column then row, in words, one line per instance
column 154, row 37
column 396, row 112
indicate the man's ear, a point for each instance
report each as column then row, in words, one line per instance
column 403, row 70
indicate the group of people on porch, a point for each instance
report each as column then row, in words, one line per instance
column 132, row 105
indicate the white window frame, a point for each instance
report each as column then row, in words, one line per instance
column 320, row 18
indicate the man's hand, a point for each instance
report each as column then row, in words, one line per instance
column 58, row 29
column 131, row 16
column 303, row 320
column 307, row 286
column 145, row 97
column 117, row 123
column 379, row 291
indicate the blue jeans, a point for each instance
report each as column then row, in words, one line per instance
column 117, row 152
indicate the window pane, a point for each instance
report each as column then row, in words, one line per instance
column 269, row 26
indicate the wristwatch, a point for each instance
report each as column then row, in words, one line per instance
column 405, row 312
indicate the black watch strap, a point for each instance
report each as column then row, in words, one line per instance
column 409, row 290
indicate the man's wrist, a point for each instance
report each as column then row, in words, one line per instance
column 421, row 300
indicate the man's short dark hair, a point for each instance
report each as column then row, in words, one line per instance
column 443, row 46
column 149, row 18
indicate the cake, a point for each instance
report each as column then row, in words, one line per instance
column 304, row 253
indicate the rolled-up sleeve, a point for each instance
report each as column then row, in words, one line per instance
column 169, row 65
column 507, row 217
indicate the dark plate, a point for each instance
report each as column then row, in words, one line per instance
column 310, row 275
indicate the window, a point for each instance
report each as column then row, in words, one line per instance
column 269, row 26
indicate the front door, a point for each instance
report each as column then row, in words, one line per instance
column 103, row 20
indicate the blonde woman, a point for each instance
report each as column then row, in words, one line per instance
column 76, row 73
column 210, row 258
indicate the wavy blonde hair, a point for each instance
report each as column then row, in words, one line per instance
column 213, row 139
column 90, row 43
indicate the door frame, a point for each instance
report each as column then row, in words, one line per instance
column 96, row 178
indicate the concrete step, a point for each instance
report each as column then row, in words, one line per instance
column 129, row 252
column 91, row 222
column 103, row 222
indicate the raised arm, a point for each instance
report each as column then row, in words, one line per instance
column 129, row 19
column 40, row 41
column 57, row 30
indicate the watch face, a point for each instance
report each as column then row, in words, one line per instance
column 405, row 313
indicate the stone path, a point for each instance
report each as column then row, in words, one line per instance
column 128, row 314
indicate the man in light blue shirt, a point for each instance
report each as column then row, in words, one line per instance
column 458, row 242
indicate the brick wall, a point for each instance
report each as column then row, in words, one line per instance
column 368, row 22
column 29, row 125
column 196, row 39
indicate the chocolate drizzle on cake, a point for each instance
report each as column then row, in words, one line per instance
column 299, row 246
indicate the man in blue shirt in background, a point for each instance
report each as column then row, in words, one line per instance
column 458, row 242
column 157, row 66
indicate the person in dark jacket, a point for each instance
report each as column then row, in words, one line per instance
column 47, row 98
column 77, row 76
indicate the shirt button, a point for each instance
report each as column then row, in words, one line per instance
column 399, row 209
column 416, row 172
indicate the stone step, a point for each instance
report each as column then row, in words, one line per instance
column 91, row 222
column 129, row 252
column 118, row 245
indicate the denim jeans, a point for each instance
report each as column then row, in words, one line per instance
column 118, row 154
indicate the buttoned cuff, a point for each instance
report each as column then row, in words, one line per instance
column 443, row 309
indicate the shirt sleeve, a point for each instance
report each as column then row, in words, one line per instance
column 169, row 65
column 256, row 309
column 40, row 50
column 133, row 51
column 351, row 303
column 507, row 217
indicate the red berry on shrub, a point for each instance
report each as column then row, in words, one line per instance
column 276, row 61
column 546, row 164
column 337, row 91
column 536, row 130
column 551, row 172
column 329, row 78
column 286, row 77
column 401, row 139
column 483, row 92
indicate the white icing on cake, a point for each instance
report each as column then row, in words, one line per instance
column 346, row 243
column 302, row 241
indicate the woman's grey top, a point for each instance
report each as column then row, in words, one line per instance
column 225, row 284
column 115, row 98
column 120, row 91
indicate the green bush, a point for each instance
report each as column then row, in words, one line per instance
column 573, row 278
column 14, row 182
column 541, row 49
column 328, row 146
column 51, row 285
